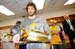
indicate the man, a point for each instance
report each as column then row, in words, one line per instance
column 56, row 41
column 16, row 29
column 33, row 22
column 69, row 29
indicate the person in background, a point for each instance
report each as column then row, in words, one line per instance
column 62, row 37
column 34, row 22
column 16, row 31
column 56, row 41
column 69, row 29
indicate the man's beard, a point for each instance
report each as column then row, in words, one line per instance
column 32, row 14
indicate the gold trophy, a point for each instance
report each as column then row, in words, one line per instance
column 24, row 34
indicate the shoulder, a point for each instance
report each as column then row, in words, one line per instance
column 50, row 27
column 64, row 21
column 24, row 19
column 38, row 19
column 72, row 19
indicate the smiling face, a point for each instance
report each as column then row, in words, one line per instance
column 31, row 10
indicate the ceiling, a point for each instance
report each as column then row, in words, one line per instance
column 18, row 7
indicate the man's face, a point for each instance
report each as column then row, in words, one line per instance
column 53, row 24
column 66, row 17
column 31, row 10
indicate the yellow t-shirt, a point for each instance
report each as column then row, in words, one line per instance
column 55, row 35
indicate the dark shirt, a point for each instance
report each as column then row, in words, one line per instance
column 61, row 35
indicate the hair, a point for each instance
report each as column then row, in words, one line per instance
column 18, row 22
column 31, row 4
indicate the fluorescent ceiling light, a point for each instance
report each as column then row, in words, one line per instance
column 5, row 11
column 39, row 4
column 69, row 2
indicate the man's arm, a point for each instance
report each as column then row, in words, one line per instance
column 46, row 27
